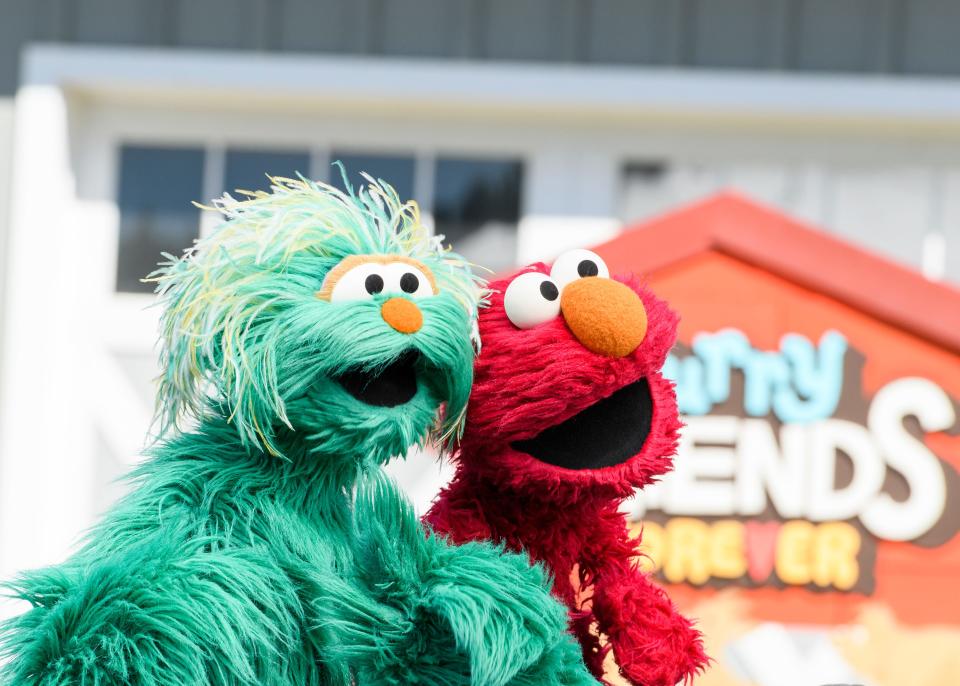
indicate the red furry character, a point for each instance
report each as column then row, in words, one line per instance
column 569, row 413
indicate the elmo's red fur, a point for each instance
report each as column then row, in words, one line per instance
column 569, row 519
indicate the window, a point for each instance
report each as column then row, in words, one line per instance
column 397, row 170
column 645, row 188
column 157, row 187
column 651, row 187
column 248, row 169
column 476, row 206
column 475, row 201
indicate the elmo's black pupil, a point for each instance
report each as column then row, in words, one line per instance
column 373, row 284
column 548, row 290
column 588, row 268
column 409, row 283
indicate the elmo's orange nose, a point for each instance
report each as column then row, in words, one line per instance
column 402, row 315
column 606, row 316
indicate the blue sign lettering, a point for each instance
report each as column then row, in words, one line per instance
column 799, row 383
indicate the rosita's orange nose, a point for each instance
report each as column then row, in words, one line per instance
column 402, row 314
column 606, row 316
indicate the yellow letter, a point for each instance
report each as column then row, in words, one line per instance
column 794, row 547
column 727, row 560
column 688, row 558
column 835, row 556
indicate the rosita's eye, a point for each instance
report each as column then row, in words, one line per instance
column 530, row 299
column 409, row 279
column 373, row 284
column 361, row 282
column 409, row 283
column 361, row 277
column 577, row 264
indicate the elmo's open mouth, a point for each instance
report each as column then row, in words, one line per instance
column 607, row 433
column 388, row 386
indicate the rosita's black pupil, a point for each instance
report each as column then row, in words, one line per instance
column 548, row 290
column 409, row 283
column 373, row 284
column 588, row 268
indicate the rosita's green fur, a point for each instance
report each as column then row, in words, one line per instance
column 265, row 546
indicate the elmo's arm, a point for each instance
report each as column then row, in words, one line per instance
column 653, row 644
column 458, row 515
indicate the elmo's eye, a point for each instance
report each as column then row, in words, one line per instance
column 577, row 264
column 406, row 278
column 530, row 299
column 359, row 283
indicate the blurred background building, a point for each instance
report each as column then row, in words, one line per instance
column 522, row 127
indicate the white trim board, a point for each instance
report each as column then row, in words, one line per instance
column 572, row 92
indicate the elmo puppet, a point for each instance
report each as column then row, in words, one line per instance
column 569, row 413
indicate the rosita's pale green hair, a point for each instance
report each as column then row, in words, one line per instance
column 262, row 255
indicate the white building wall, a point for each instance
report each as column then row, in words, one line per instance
column 902, row 207
column 874, row 161
column 6, row 165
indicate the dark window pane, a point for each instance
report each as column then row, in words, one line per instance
column 247, row 169
column 476, row 206
column 397, row 170
column 157, row 186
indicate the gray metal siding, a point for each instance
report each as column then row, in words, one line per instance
column 879, row 36
column 331, row 26
column 16, row 25
column 633, row 32
column 226, row 24
column 530, row 30
column 931, row 41
column 842, row 35
column 428, row 28
column 108, row 21
column 732, row 34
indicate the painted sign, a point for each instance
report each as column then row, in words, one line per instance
column 786, row 473
column 811, row 522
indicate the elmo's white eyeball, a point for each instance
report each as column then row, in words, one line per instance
column 577, row 264
column 530, row 299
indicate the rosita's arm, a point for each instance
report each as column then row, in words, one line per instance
column 467, row 614
column 167, row 612
column 653, row 644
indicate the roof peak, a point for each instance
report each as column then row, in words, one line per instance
column 732, row 224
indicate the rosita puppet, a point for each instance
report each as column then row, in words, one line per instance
column 568, row 415
column 311, row 337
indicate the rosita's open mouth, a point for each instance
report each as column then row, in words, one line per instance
column 607, row 433
column 395, row 383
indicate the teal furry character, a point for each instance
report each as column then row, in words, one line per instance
column 314, row 335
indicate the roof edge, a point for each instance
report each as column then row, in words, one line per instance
column 732, row 224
